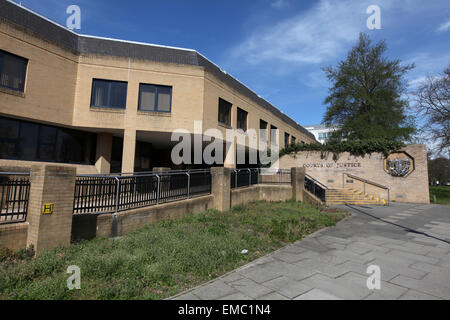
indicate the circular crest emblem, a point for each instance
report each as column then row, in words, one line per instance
column 399, row 164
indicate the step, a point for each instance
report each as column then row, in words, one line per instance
column 348, row 197
column 354, row 200
column 349, row 201
column 356, row 203
column 343, row 194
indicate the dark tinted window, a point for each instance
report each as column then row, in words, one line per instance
column 225, row 112
column 273, row 135
column 109, row 94
column 12, row 71
column 29, row 134
column 155, row 98
column 286, row 139
column 143, row 156
column 47, row 143
column 23, row 140
column 292, row 139
column 9, row 137
column 263, row 130
column 242, row 119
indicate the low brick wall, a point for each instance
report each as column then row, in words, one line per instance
column 89, row 226
column 310, row 198
column 243, row 195
column 261, row 192
column 274, row 193
column 322, row 167
column 133, row 219
column 55, row 185
column 14, row 236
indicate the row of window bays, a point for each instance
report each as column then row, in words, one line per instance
column 113, row 94
column 32, row 141
column 158, row 98
column 266, row 132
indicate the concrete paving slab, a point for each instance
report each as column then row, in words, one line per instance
column 332, row 263
column 416, row 295
column 317, row 294
column 422, row 286
column 250, row 288
column 289, row 288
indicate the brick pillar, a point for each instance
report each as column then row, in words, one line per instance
column 298, row 183
column 230, row 154
column 221, row 188
column 103, row 152
column 50, row 184
column 129, row 149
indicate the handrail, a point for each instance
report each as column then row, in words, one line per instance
column 156, row 172
column 368, row 182
column 145, row 174
column 15, row 173
column 316, row 181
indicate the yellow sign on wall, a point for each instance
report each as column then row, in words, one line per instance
column 47, row 208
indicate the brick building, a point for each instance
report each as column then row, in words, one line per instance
column 106, row 105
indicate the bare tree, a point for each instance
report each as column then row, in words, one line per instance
column 433, row 102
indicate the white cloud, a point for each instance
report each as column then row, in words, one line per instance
column 444, row 27
column 315, row 36
column 426, row 64
column 279, row 4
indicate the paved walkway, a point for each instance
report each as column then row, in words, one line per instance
column 410, row 243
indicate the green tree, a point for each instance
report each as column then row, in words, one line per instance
column 433, row 103
column 439, row 170
column 365, row 99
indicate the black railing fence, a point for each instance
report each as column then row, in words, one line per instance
column 107, row 193
column 243, row 177
column 113, row 193
column 315, row 187
column 14, row 193
column 251, row 176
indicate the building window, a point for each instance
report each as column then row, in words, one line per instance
column 286, row 139
column 155, row 98
column 12, row 71
column 324, row 135
column 293, row 140
column 273, row 135
column 109, row 94
column 242, row 119
column 262, row 130
column 224, row 112
column 23, row 140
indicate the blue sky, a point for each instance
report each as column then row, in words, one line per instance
column 276, row 47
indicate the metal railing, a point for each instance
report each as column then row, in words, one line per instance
column 108, row 194
column 365, row 181
column 243, row 177
column 252, row 176
column 316, row 187
column 14, row 196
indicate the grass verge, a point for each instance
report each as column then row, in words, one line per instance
column 442, row 194
column 162, row 259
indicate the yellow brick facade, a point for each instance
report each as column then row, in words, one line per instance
column 59, row 86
